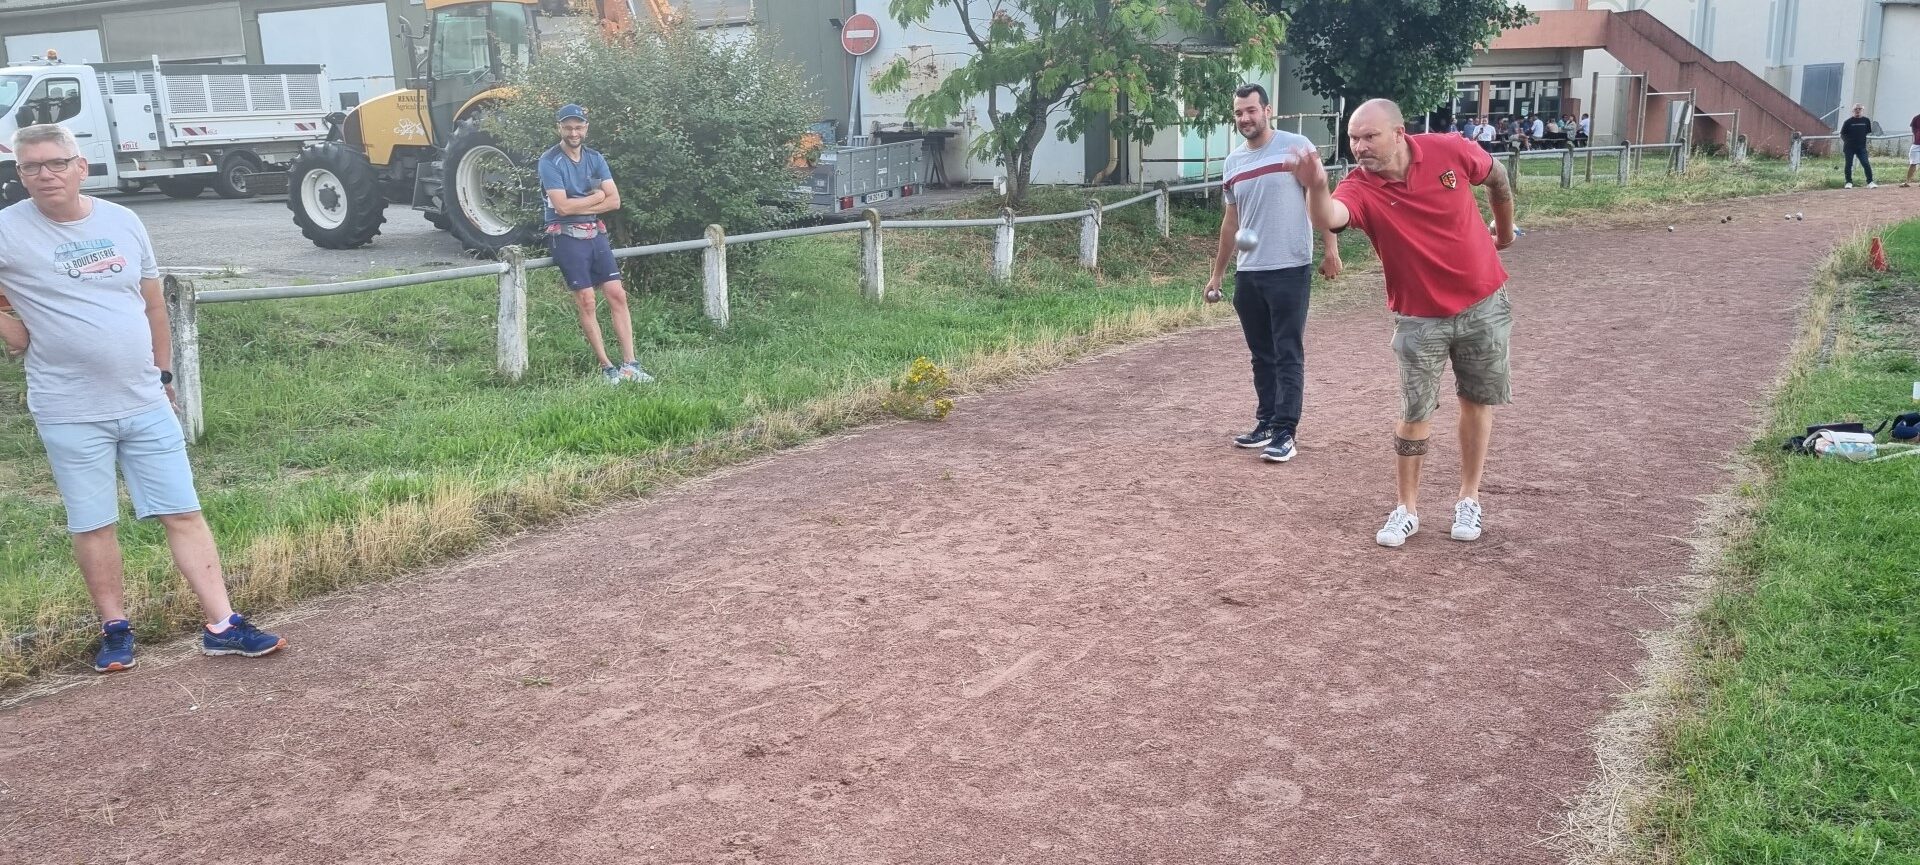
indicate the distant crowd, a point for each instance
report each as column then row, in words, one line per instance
column 1531, row 132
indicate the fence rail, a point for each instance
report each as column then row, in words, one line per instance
column 1797, row 150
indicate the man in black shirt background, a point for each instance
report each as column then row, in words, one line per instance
column 1853, row 137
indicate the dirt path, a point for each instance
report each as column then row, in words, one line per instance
column 1069, row 625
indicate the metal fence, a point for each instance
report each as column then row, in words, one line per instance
column 510, row 361
column 1797, row 151
column 1629, row 160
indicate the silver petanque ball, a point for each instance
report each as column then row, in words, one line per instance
column 1246, row 240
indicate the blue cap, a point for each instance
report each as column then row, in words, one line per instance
column 570, row 111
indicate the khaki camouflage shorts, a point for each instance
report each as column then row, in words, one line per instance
column 1476, row 342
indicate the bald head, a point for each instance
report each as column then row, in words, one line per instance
column 1379, row 112
column 1377, row 135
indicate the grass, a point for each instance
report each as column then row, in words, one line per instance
column 1706, row 179
column 352, row 438
column 1802, row 744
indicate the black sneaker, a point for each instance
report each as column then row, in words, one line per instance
column 1255, row 438
column 1280, row 449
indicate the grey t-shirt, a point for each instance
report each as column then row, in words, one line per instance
column 1261, row 188
column 76, row 286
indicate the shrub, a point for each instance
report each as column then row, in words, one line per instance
column 698, row 129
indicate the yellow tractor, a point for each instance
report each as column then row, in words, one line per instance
column 424, row 144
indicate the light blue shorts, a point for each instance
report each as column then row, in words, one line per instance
column 150, row 451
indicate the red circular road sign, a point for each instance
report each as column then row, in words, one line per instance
column 860, row 35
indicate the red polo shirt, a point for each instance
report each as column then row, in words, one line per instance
column 1438, row 256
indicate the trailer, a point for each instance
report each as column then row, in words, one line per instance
column 181, row 127
column 848, row 177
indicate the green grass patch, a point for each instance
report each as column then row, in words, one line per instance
column 1706, row 179
column 1803, row 745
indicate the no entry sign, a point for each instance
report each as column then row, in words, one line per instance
column 860, row 35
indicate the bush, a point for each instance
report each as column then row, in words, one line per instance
column 698, row 130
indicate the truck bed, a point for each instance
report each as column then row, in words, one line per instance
column 213, row 104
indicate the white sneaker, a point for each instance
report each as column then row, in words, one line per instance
column 1466, row 520
column 1872, row 185
column 1849, row 186
column 1400, row 525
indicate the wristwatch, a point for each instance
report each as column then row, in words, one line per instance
column 166, row 376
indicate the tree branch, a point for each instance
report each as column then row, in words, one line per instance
column 962, row 7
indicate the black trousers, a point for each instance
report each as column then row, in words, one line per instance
column 1860, row 153
column 1273, row 314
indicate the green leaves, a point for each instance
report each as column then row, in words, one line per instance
column 1067, row 63
column 1404, row 50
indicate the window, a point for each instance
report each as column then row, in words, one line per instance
column 1466, row 99
column 11, row 86
column 460, row 41
column 1820, row 91
column 53, row 101
column 477, row 38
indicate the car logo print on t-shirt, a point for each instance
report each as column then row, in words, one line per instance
column 88, row 258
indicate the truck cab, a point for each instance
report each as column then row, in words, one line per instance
column 63, row 94
column 181, row 126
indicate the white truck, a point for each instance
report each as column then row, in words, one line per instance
column 181, row 127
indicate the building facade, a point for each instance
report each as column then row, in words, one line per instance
column 1775, row 67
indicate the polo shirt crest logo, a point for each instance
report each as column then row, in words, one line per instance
column 1448, row 180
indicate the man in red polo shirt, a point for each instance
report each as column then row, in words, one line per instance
column 1413, row 197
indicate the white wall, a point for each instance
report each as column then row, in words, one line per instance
column 338, row 37
column 1897, row 99
column 74, row 46
column 936, row 48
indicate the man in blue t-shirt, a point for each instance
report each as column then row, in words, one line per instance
column 579, row 187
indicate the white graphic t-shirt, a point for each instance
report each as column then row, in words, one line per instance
column 76, row 286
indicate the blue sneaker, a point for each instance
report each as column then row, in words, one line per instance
column 116, row 647
column 1280, row 449
column 240, row 638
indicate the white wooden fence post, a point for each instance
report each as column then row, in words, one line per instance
column 1163, row 210
column 1003, row 246
column 873, row 276
column 1566, row 169
column 510, row 348
column 1793, row 153
column 714, row 265
column 1090, row 236
column 183, row 317
column 1626, row 162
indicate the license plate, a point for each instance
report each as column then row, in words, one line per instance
column 872, row 197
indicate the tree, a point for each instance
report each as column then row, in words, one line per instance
column 1138, row 63
column 1403, row 50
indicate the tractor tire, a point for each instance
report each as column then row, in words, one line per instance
column 182, row 188
column 479, row 190
column 236, row 170
column 335, row 196
column 439, row 220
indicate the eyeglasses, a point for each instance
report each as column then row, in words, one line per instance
column 30, row 169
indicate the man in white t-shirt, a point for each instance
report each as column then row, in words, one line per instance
column 1484, row 134
column 80, row 297
column 1272, row 278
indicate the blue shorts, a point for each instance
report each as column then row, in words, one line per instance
column 151, row 452
column 584, row 263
